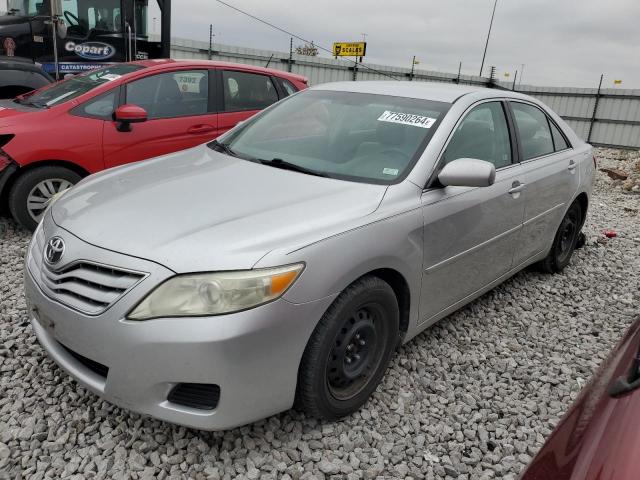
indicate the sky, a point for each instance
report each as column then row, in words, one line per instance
column 560, row 42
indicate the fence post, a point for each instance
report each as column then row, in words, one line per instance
column 210, row 41
column 459, row 70
column 595, row 109
column 355, row 70
column 513, row 87
column 290, row 54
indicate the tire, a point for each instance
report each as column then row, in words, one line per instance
column 565, row 241
column 349, row 350
column 41, row 183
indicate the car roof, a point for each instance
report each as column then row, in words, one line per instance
column 436, row 91
column 168, row 63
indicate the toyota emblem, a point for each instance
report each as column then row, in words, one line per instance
column 54, row 251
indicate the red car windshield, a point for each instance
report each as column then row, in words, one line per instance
column 75, row 86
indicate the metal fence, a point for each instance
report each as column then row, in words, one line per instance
column 607, row 117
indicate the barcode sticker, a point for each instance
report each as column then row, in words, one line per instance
column 407, row 119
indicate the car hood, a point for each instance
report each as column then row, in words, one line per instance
column 11, row 111
column 200, row 210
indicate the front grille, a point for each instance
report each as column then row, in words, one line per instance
column 204, row 396
column 85, row 286
column 92, row 365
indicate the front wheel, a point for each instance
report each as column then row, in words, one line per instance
column 31, row 193
column 564, row 242
column 349, row 350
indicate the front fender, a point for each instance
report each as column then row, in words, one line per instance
column 334, row 263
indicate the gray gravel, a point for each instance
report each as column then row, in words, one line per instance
column 472, row 398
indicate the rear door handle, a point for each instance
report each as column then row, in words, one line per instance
column 204, row 128
column 572, row 166
column 516, row 187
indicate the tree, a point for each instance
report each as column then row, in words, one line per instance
column 308, row 49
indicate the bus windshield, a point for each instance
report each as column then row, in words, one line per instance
column 28, row 7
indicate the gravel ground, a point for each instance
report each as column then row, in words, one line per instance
column 472, row 398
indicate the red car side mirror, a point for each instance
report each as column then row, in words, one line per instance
column 127, row 114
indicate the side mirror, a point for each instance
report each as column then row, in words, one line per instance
column 467, row 172
column 127, row 114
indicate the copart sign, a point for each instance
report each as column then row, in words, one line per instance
column 91, row 50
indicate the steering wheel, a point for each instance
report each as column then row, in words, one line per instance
column 71, row 18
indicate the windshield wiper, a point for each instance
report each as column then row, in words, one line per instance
column 283, row 164
column 23, row 101
column 222, row 147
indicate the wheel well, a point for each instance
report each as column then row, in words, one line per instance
column 583, row 201
column 44, row 163
column 401, row 289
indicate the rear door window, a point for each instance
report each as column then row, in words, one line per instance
column 533, row 127
column 247, row 91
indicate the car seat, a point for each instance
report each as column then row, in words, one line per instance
column 168, row 99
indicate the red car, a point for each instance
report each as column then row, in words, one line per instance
column 599, row 438
column 54, row 136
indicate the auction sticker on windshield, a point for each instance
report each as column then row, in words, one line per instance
column 406, row 119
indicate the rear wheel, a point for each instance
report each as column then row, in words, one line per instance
column 349, row 350
column 33, row 190
column 564, row 242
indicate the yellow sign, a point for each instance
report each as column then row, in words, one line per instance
column 349, row 49
column 617, row 82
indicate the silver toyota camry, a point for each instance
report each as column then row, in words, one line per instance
column 284, row 263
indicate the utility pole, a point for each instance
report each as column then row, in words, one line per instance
column 290, row 54
column 488, row 35
column 521, row 75
column 459, row 70
column 413, row 65
column 513, row 87
column 210, row 41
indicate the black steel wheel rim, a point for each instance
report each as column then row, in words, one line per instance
column 568, row 235
column 356, row 352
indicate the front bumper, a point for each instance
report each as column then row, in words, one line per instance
column 253, row 356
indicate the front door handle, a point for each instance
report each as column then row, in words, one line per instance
column 572, row 166
column 197, row 129
column 516, row 187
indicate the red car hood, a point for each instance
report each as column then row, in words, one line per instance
column 599, row 437
column 10, row 111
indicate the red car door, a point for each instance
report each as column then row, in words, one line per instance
column 243, row 95
column 179, row 105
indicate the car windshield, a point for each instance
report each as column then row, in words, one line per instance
column 352, row 136
column 76, row 86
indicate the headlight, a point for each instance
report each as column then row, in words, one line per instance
column 216, row 293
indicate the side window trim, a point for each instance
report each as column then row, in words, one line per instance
column 277, row 82
column 549, row 123
column 216, row 99
column 433, row 178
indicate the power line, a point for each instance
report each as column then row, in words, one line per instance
column 355, row 62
